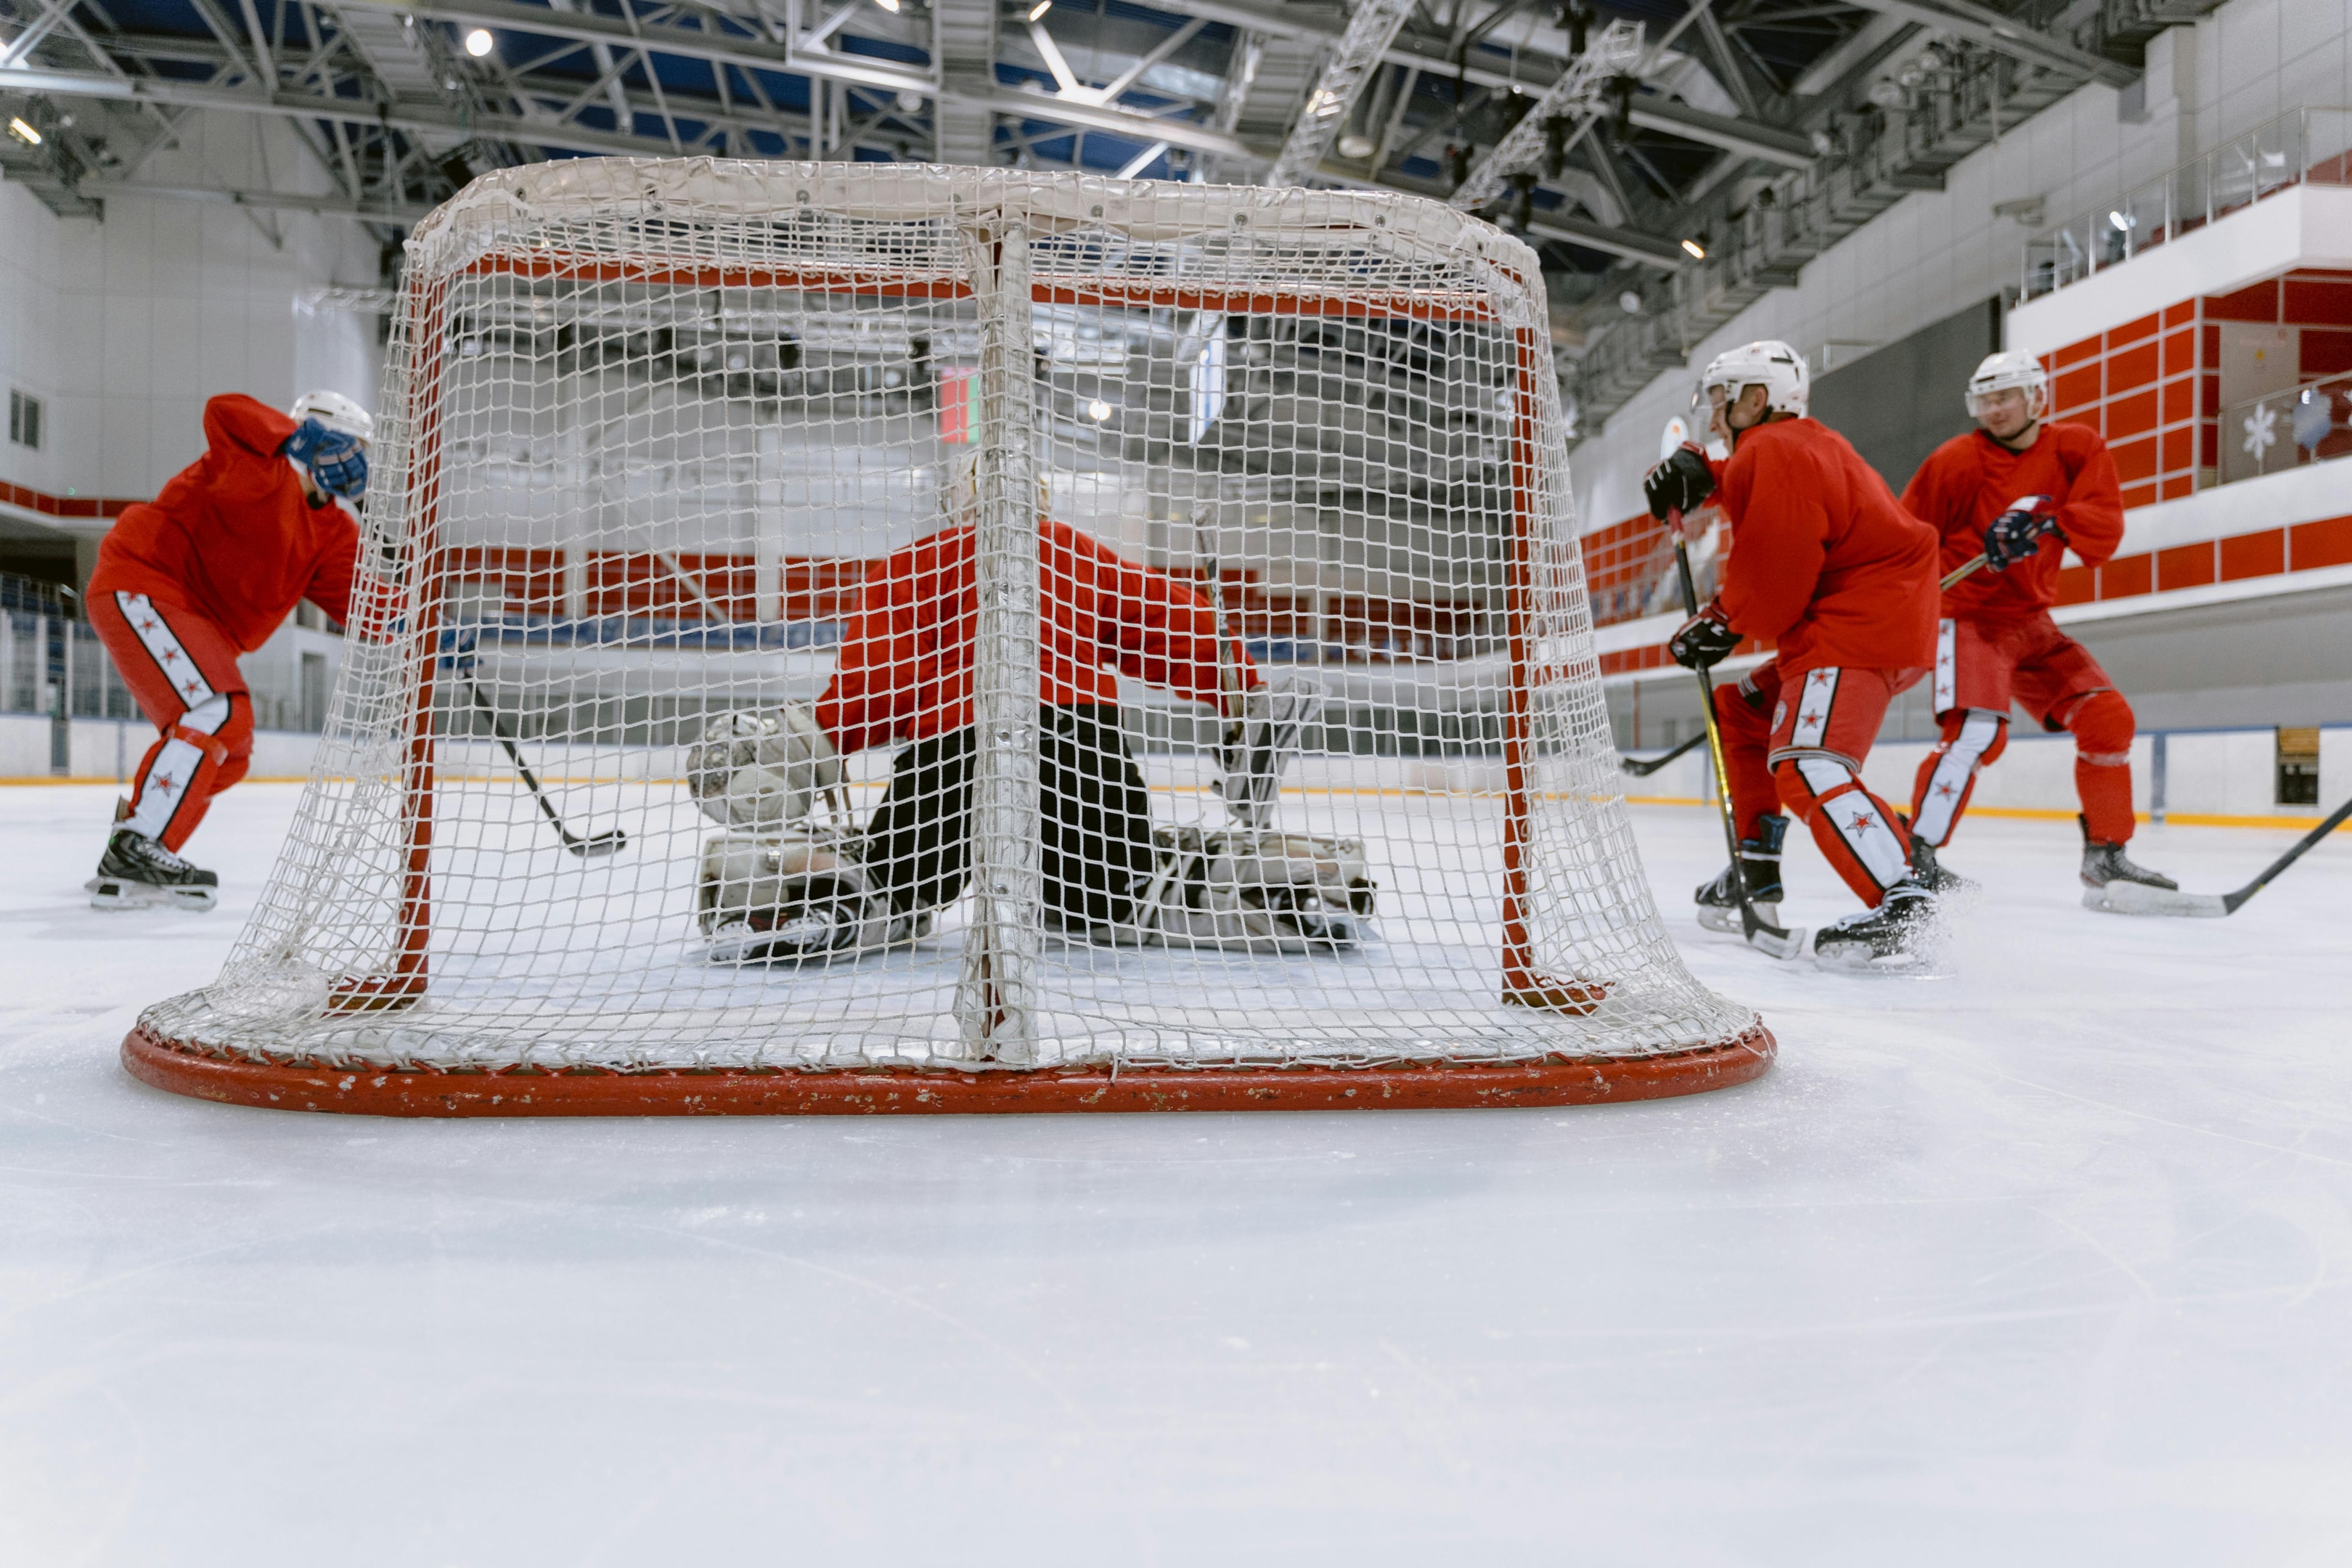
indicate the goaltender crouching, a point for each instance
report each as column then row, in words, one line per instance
column 905, row 676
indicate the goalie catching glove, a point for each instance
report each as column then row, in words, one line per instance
column 2018, row 532
column 1258, row 746
column 1704, row 641
column 762, row 771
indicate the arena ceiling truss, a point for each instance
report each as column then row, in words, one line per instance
column 1670, row 161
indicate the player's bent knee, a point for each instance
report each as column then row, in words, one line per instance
column 2104, row 727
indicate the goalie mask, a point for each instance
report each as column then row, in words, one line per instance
column 762, row 771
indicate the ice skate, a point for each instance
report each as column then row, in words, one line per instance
column 1759, row 865
column 1933, row 874
column 137, row 872
column 1895, row 937
column 2115, row 883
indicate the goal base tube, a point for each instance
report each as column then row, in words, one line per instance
column 790, row 1091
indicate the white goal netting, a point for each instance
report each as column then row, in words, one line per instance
column 960, row 616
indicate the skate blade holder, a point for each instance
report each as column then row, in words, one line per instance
column 118, row 893
column 2140, row 899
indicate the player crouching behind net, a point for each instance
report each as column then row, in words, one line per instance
column 1826, row 565
column 778, row 888
column 2022, row 490
column 205, row 572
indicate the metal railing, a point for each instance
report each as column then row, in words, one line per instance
column 2282, row 430
column 2302, row 146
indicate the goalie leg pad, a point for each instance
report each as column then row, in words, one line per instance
column 1244, row 891
column 798, row 900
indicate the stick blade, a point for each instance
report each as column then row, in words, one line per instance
column 602, row 844
column 2140, row 899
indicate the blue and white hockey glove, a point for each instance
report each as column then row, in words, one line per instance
column 2017, row 533
column 336, row 462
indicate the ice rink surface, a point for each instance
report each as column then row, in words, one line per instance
column 2046, row 1261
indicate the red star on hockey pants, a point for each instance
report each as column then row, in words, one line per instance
column 1804, row 749
column 182, row 668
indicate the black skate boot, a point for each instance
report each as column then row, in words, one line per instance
column 1759, row 865
column 136, row 871
column 1896, row 936
column 2113, row 882
column 1931, row 872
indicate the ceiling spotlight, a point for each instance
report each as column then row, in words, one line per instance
column 479, row 43
column 1698, row 251
column 889, row 6
column 2124, row 221
column 1098, row 411
column 1039, row 9
column 1630, row 302
column 909, row 101
column 1355, row 145
column 22, row 130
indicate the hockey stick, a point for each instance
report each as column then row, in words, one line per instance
column 1965, row 569
column 2139, row 898
column 599, row 844
column 1641, row 770
column 1761, row 933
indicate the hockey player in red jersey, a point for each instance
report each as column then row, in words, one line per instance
column 2022, row 490
column 1826, row 565
column 205, row 572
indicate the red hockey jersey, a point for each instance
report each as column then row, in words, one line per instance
column 904, row 670
column 234, row 537
column 1970, row 480
column 1824, row 561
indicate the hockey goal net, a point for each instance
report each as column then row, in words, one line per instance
column 1188, row 576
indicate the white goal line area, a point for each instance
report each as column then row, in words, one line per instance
column 678, row 457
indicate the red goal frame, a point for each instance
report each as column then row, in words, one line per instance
column 234, row 1077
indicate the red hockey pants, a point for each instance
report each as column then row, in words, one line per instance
column 1807, row 755
column 1981, row 667
column 182, row 671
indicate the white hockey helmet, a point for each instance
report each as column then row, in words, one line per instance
column 336, row 412
column 2001, row 372
column 1770, row 364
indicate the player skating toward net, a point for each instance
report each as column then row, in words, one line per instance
column 1826, row 565
column 904, row 677
column 205, row 572
column 2021, row 489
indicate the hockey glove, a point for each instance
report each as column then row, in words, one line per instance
column 1256, row 748
column 336, row 462
column 1680, row 484
column 1704, row 641
column 2017, row 533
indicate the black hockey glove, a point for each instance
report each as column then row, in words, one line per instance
column 1680, row 484
column 336, row 462
column 1704, row 641
column 2017, row 533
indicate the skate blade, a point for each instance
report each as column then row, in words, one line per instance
column 1846, row 959
column 2140, row 899
column 1715, row 916
column 110, row 893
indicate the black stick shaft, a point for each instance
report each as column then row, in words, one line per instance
column 1645, row 769
column 514, row 756
column 2332, row 821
